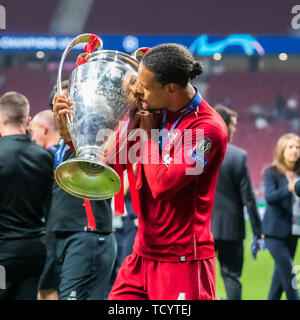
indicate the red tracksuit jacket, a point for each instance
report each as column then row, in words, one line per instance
column 174, row 223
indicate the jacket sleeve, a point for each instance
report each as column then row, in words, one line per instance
column 49, row 162
column 248, row 197
column 273, row 194
column 165, row 181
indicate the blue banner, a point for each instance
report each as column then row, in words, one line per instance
column 202, row 45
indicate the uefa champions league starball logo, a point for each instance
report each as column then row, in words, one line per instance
column 203, row 146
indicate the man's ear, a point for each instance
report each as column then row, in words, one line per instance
column 28, row 122
column 45, row 129
column 171, row 87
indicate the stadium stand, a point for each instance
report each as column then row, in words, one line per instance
column 37, row 20
column 247, row 90
column 136, row 17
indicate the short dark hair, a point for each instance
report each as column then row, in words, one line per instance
column 64, row 85
column 226, row 113
column 172, row 63
column 14, row 108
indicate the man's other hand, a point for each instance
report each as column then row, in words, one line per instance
column 62, row 107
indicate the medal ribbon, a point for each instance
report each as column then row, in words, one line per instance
column 192, row 106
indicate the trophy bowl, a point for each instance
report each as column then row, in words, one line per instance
column 100, row 103
column 87, row 179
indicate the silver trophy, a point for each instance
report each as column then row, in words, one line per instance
column 100, row 102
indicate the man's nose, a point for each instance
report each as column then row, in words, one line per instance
column 138, row 91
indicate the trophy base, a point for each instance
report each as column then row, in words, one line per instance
column 87, row 179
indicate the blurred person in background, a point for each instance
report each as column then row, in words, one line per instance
column 42, row 130
column 282, row 202
column 233, row 192
column 83, row 249
column 26, row 176
column 65, row 88
column 292, row 107
column 280, row 107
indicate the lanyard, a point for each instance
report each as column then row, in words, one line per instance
column 192, row 106
column 53, row 148
column 60, row 153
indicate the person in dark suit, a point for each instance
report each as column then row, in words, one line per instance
column 233, row 192
column 282, row 202
column 26, row 176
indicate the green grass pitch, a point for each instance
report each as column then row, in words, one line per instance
column 256, row 275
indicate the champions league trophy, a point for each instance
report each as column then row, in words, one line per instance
column 96, row 87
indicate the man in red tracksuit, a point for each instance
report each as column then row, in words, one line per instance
column 173, row 255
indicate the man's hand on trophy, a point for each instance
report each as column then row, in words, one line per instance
column 62, row 107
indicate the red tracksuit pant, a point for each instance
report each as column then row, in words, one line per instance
column 143, row 279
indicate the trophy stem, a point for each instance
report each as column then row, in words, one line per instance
column 90, row 153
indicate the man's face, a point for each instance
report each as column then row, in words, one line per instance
column 232, row 128
column 37, row 132
column 150, row 91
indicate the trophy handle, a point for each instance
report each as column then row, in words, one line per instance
column 93, row 41
column 140, row 52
